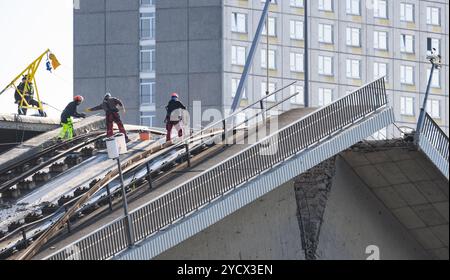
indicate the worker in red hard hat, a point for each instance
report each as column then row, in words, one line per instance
column 173, row 116
column 109, row 105
column 66, row 117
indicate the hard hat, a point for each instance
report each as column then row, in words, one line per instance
column 107, row 95
column 78, row 98
column 174, row 95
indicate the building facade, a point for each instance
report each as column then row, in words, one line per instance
column 204, row 45
column 114, row 50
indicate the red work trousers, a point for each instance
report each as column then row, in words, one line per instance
column 169, row 126
column 112, row 118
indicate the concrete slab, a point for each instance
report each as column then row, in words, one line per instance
column 355, row 159
column 443, row 185
column 390, row 198
column 413, row 170
column 431, row 191
column 377, row 157
column 408, row 218
column 439, row 254
column 427, row 238
column 398, row 154
column 371, row 176
column 441, row 232
column 429, row 215
column 410, row 194
column 29, row 123
column 442, row 208
column 392, row 173
column 429, row 168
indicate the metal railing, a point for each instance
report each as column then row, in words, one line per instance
column 225, row 176
column 434, row 143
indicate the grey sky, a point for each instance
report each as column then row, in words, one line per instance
column 27, row 29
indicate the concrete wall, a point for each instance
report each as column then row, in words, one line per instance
column 354, row 219
column 265, row 229
column 189, row 53
column 106, row 53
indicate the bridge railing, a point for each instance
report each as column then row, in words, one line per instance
column 434, row 143
column 225, row 176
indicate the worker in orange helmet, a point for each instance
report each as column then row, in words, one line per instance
column 172, row 118
column 66, row 117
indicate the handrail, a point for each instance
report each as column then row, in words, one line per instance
column 435, row 135
column 231, row 173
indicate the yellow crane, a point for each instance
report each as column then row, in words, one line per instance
column 24, row 91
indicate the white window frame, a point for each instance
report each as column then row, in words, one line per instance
column 353, row 7
column 407, row 73
column 238, row 22
column 234, row 87
column 407, row 105
column 272, row 59
column 272, row 27
column 436, row 81
column 380, row 40
column 353, row 36
column 434, row 108
column 272, row 89
column 325, row 96
column 238, row 55
column 151, row 26
column 151, row 63
column 407, row 12
column 407, row 42
column 296, row 30
column 380, row 69
column 296, row 62
column 436, row 44
column 326, row 5
column 353, row 67
column 380, row 9
column 325, row 65
column 326, row 33
column 434, row 16
column 151, row 85
column 296, row 3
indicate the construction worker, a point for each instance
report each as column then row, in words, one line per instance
column 173, row 120
column 110, row 104
column 67, row 117
column 26, row 89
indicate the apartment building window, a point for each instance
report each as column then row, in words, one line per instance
column 326, row 5
column 147, row 118
column 407, row 12
column 147, row 26
column 147, row 2
column 436, row 80
column 238, row 55
column 325, row 96
column 239, row 22
column 147, row 59
column 433, row 43
column 353, row 37
column 380, row 70
column 234, row 87
column 272, row 27
column 407, row 74
column 353, row 69
column 353, row 7
column 380, row 39
column 380, row 9
column 407, row 106
column 326, row 65
column 271, row 2
column 147, row 92
column 433, row 16
column 296, row 3
column 272, row 88
column 325, row 33
column 407, row 43
column 434, row 108
column 296, row 62
column 296, row 29
column 272, row 59
column 299, row 98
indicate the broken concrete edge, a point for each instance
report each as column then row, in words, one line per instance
column 45, row 140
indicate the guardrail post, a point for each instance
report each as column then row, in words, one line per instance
column 125, row 207
column 224, row 130
column 24, row 236
column 188, row 155
column 108, row 192
column 149, row 177
column 262, row 111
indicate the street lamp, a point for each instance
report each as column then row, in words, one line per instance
column 435, row 60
